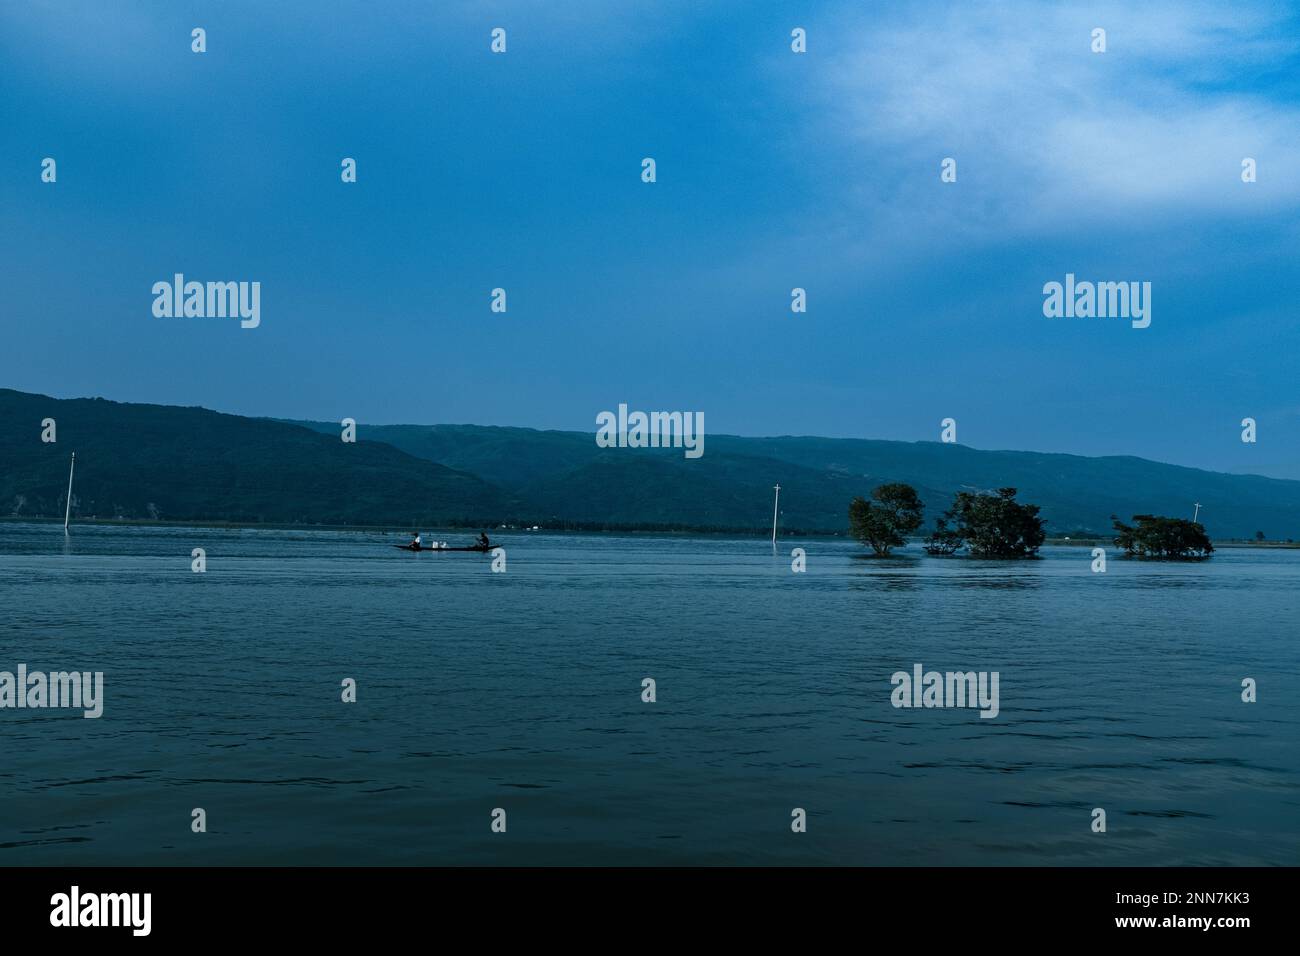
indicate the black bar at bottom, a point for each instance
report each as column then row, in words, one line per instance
column 333, row 905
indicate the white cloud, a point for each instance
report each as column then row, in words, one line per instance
column 1047, row 133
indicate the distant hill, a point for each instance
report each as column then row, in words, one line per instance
column 562, row 476
column 190, row 464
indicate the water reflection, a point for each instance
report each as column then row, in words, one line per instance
column 885, row 582
column 995, row 583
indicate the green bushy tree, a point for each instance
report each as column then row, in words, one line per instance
column 996, row 525
column 894, row 512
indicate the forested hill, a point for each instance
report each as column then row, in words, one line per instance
column 565, row 476
column 191, row 464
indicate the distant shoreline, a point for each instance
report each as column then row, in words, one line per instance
column 764, row 533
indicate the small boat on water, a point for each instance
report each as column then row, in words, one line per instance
column 410, row 547
column 480, row 548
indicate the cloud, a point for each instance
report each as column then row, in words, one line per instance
column 1048, row 134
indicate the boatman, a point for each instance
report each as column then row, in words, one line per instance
column 415, row 542
column 482, row 539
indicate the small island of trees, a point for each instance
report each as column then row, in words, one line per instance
column 995, row 525
column 986, row 525
column 1163, row 539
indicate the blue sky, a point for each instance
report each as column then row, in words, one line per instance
column 775, row 170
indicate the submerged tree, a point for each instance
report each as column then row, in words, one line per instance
column 943, row 540
column 885, row 522
column 1160, row 538
column 996, row 525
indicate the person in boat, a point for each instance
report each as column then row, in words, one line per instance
column 415, row 541
column 483, row 540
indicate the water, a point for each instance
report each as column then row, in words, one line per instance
column 522, row 691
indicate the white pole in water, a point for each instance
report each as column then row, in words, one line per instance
column 774, row 503
column 1197, row 513
column 67, row 512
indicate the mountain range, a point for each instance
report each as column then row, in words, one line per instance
column 157, row 462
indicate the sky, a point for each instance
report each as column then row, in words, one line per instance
column 775, row 170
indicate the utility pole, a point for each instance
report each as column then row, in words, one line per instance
column 67, row 512
column 774, row 504
column 1197, row 513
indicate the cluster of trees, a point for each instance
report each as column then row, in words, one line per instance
column 997, row 526
column 1152, row 536
column 987, row 525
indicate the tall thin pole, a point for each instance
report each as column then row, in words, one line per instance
column 774, row 504
column 67, row 512
column 1197, row 513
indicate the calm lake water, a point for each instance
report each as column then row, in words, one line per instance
column 522, row 691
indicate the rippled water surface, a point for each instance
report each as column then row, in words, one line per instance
column 522, row 691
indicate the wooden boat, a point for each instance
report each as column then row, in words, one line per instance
column 481, row 549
